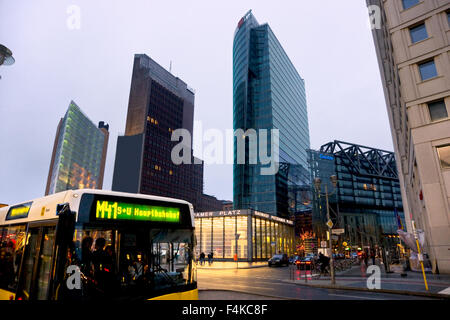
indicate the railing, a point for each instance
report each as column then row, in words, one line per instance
column 310, row 270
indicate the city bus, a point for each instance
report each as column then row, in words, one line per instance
column 94, row 244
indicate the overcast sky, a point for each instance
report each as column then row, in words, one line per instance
column 328, row 41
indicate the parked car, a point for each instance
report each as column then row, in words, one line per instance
column 292, row 259
column 279, row 260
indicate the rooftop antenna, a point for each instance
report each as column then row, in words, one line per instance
column 170, row 68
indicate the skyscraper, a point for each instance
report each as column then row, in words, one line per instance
column 159, row 103
column 268, row 93
column 79, row 153
column 412, row 45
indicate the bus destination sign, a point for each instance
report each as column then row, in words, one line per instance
column 18, row 212
column 108, row 210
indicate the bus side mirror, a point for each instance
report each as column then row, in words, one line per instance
column 62, row 209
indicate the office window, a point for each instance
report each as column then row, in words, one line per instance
column 437, row 110
column 427, row 70
column 409, row 3
column 448, row 18
column 418, row 33
column 444, row 156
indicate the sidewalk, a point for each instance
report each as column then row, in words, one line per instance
column 356, row 279
column 231, row 265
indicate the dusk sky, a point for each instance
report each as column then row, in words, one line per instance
column 329, row 42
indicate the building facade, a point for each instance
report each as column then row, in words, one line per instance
column 79, row 153
column 159, row 103
column 260, row 235
column 366, row 201
column 412, row 44
column 268, row 93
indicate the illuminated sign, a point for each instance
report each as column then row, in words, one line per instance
column 108, row 210
column 18, row 212
column 322, row 156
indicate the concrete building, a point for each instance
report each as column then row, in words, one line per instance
column 79, row 153
column 412, row 40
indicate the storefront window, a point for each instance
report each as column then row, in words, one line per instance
column 217, row 245
column 242, row 222
column 265, row 239
column 229, row 242
column 198, row 235
column 206, row 235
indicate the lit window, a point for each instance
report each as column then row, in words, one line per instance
column 418, row 33
column 409, row 3
column 444, row 156
column 437, row 110
column 428, row 70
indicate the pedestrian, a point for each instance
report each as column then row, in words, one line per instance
column 324, row 261
column 202, row 258
column 366, row 258
column 209, row 258
column 372, row 255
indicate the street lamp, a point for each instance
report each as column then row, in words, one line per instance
column 317, row 183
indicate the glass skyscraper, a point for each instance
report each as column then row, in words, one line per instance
column 268, row 93
column 79, row 153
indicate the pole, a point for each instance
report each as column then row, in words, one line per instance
column 419, row 254
column 330, row 242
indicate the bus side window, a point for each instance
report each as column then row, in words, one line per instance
column 12, row 241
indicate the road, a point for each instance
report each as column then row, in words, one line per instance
column 271, row 282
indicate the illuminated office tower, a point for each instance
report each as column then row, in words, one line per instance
column 159, row 103
column 79, row 153
column 268, row 93
column 412, row 45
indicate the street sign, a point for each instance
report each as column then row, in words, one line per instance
column 330, row 224
column 323, row 244
column 337, row 231
column 344, row 244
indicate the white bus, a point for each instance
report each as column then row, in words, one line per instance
column 94, row 244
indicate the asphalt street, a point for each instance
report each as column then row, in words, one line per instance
column 272, row 282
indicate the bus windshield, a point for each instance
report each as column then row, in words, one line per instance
column 132, row 263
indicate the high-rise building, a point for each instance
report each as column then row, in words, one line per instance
column 79, row 153
column 268, row 93
column 412, row 44
column 366, row 201
column 159, row 103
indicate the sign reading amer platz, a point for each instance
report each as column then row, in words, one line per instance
column 242, row 213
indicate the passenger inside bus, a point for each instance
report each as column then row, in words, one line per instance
column 132, row 261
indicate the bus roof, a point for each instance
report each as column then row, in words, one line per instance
column 45, row 208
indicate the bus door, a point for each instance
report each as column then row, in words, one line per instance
column 37, row 263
